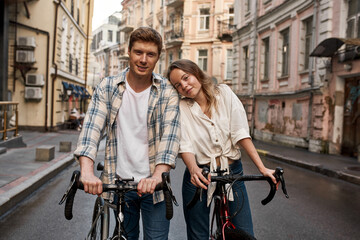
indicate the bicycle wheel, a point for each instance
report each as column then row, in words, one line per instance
column 100, row 221
column 235, row 234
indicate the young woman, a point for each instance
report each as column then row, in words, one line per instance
column 213, row 127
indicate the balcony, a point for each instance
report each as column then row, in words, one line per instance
column 225, row 30
column 125, row 27
column 175, row 3
column 174, row 38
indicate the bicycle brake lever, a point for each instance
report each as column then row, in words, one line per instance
column 280, row 177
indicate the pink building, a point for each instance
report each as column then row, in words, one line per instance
column 291, row 97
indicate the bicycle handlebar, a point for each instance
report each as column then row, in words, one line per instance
column 76, row 184
column 279, row 175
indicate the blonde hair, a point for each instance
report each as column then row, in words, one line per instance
column 207, row 85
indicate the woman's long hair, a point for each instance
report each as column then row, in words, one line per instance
column 207, row 85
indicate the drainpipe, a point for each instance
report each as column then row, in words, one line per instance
column 55, row 67
column 36, row 30
column 87, row 44
column 311, row 72
column 254, row 70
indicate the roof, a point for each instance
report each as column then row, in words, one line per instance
column 329, row 46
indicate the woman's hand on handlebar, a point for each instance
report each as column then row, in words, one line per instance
column 197, row 177
column 270, row 173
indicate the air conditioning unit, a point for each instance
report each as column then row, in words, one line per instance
column 26, row 41
column 34, row 80
column 34, row 93
column 24, row 56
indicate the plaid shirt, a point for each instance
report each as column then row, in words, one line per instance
column 162, row 120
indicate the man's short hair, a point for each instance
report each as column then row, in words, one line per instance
column 146, row 34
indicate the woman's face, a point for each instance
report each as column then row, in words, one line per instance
column 185, row 83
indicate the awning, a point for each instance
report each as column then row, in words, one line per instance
column 329, row 46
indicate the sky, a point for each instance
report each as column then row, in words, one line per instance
column 103, row 9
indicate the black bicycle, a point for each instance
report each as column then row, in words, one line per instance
column 101, row 213
column 223, row 229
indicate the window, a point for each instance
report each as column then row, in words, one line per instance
column 248, row 5
column 70, row 63
column 229, row 64
column 353, row 20
column 308, row 37
column 202, row 59
column 246, row 63
column 78, row 16
column 170, row 58
column 204, row 19
column 110, row 35
column 285, row 52
column 72, row 8
column 266, row 59
column 117, row 36
column 64, row 42
column 76, row 66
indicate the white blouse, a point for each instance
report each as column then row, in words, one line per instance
column 209, row 138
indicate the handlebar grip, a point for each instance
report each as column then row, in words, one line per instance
column 69, row 204
column 271, row 194
column 71, row 195
column 167, row 195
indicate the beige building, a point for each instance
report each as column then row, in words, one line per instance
column 47, row 58
column 297, row 72
column 196, row 30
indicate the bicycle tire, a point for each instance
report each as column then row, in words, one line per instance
column 98, row 232
column 236, row 234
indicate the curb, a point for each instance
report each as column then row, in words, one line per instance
column 313, row 167
column 15, row 195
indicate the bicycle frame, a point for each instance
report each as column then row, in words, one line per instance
column 221, row 212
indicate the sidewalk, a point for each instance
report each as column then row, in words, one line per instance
column 341, row 167
column 20, row 174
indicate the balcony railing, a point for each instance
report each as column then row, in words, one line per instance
column 174, row 37
column 125, row 27
column 9, row 118
column 175, row 3
column 225, row 30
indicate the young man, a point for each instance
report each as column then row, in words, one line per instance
column 139, row 110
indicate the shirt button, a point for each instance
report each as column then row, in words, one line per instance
column 212, row 124
column 216, row 140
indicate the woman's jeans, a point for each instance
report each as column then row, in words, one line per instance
column 155, row 224
column 197, row 218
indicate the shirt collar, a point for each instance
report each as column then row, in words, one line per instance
column 156, row 79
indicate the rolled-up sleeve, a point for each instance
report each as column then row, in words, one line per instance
column 93, row 126
column 170, row 139
column 239, row 123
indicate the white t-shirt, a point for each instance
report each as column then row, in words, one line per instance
column 132, row 132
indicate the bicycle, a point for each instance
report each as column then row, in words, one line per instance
column 101, row 213
column 224, row 229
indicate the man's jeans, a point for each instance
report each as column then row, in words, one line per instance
column 197, row 218
column 155, row 224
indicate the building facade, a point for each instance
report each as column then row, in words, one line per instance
column 48, row 46
column 105, row 45
column 196, row 30
column 293, row 94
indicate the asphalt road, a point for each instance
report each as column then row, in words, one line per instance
column 319, row 208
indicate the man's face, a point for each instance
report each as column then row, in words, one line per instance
column 143, row 57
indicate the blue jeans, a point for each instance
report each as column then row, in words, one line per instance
column 197, row 218
column 155, row 224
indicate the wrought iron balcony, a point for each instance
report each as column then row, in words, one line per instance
column 174, row 37
column 225, row 30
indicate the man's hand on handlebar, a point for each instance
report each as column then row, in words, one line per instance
column 92, row 184
column 148, row 185
column 270, row 173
